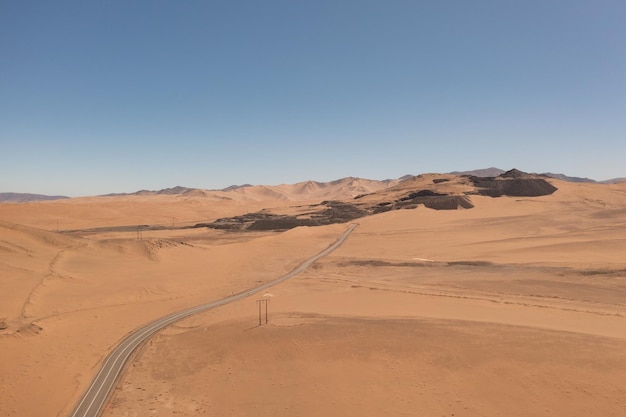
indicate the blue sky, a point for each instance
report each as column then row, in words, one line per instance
column 117, row 96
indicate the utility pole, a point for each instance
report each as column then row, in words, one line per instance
column 260, row 303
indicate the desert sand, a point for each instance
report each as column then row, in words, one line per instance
column 514, row 307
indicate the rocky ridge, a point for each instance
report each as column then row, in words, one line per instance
column 434, row 191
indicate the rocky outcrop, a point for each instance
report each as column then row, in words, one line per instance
column 432, row 191
column 327, row 212
column 513, row 183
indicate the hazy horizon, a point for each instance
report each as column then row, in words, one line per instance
column 295, row 182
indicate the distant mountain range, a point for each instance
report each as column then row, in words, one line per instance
column 494, row 172
column 349, row 186
column 27, row 198
column 613, row 180
column 165, row 191
column 484, row 172
column 341, row 188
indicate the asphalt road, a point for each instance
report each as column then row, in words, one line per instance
column 92, row 402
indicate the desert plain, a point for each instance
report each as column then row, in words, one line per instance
column 513, row 307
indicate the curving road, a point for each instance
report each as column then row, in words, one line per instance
column 92, row 402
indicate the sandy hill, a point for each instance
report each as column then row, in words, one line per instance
column 312, row 190
column 442, row 187
column 188, row 208
column 27, row 258
column 306, row 190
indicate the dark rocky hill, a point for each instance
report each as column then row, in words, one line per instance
column 434, row 191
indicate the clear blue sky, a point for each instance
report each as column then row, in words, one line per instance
column 116, row 96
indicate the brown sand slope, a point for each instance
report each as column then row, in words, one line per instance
column 307, row 366
column 28, row 258
column 514, row 307
column 91, row 212
column 340, row 189
column 67, row 301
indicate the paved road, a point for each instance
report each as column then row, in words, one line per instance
column 96, row 395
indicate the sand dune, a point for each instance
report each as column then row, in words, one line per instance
column 27, row 260
column 91, row 212
column 513, row 307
